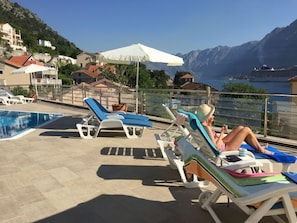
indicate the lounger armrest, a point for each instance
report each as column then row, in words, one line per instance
column 227, row 153
column 243, row 164
column 236, row 152
column 114, row 116
column 119, row 112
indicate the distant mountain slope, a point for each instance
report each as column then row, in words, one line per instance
column 33, row 28
column 277, row 49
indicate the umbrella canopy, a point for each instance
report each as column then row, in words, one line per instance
column 32, row 68
column 139, row 53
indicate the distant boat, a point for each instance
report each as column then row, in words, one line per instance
column 272, row 75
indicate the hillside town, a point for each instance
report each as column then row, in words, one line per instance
column 86, row 81
column 89, row 64
column 135, row 134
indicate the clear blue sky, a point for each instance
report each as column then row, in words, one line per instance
column 173, row 26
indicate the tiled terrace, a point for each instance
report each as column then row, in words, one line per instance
column 52, row 175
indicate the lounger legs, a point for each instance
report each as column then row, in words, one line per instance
column 290, row 212
column 168, row 152
column 133, row 132
column 91, row 131
column 87, row 131
column 208, row 200
column 164, row 145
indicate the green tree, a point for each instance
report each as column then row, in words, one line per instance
column 64, row 72
column 243, row 88
column 126, row 75
column 119, row 76
column 144, row 80
column 177, row 81
column 19, row 91
column 67, row 69
column 159, row 78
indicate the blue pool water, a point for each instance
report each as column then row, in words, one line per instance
column 16, row 123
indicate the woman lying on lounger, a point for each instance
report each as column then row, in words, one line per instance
column 233, row 139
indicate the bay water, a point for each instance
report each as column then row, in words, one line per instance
column 272, row 87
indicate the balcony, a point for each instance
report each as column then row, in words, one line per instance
column 52, row 175
column 269, row 115
column 46, row 81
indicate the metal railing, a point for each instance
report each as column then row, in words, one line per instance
column 266, row 114
column 46, row 81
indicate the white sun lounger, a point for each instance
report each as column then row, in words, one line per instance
column 20, row 99
column 8, row 101
column 167, row 146
column 205, row 145
column 257, row 201
column 89, row 129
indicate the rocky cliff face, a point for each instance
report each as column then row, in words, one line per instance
column 16, row 10
column 277, row 49
column 33, row 28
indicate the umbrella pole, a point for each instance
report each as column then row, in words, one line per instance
column 137, row 77
column 36, row 93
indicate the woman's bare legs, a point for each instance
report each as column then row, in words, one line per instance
column 236, row 137
column 232, row 134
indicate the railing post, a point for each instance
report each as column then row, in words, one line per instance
column 143, row 103
column 170, row 99
column 265, row 117
column 208, row 93
column 72, row 95
column 107, row 100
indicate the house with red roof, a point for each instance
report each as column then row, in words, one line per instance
column 186, row 78
column 84, row 59
column 88, row 75
column 11, row 36
column 16, row 62
column 196, row 86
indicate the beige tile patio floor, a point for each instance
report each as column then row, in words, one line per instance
column 52, row 175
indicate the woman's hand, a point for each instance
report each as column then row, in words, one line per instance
column 224, row 129
column 209, row 121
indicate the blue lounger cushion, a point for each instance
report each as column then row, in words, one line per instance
column 125, row 115
column 277, row 156
column 101, row 115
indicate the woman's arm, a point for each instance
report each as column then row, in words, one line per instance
column 215, row 138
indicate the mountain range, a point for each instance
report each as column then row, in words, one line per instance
column 278, row 49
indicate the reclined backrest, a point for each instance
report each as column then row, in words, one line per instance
column 200, row 136
column 103, row 109
column 92, row 104
column 208, row 170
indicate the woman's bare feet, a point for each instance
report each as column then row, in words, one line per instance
column 265, row 151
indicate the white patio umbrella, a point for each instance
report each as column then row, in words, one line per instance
column 30, row 69
column 139, row 53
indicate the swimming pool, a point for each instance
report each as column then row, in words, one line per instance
column 14, row 124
